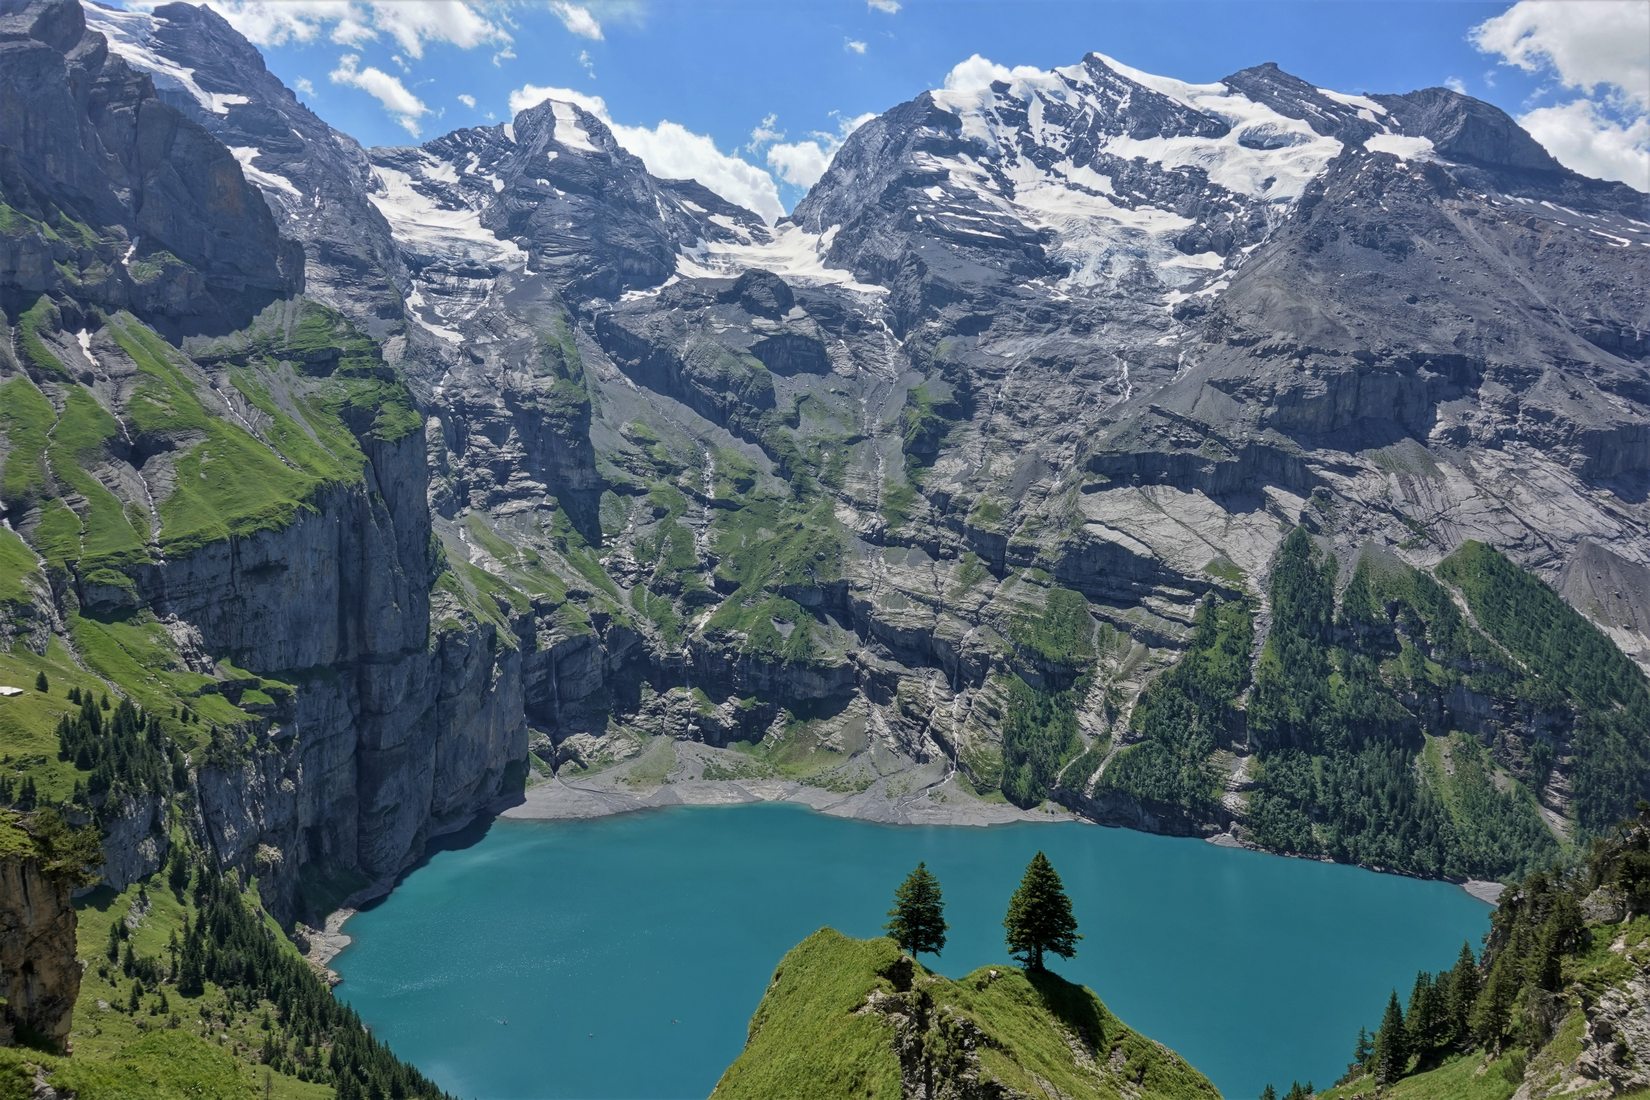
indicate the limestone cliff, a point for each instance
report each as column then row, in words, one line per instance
column 39, row 974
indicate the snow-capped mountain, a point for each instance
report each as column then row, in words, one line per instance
column 1086, row 329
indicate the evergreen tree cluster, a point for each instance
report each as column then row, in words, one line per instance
column 1039, row 735
column 1344, row 698
column 318, row 1038
column 1514, row 995
column 121, row 749
column 1039, row 919
column 1568, row 664
column 1189, row 712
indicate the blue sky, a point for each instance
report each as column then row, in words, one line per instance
column 699, row 87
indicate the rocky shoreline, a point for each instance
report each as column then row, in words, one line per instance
column 603, row 795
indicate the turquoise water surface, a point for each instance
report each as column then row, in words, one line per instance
column 623, row 957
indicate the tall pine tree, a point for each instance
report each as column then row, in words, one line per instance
column 917, row 921
column 1425, row 1021
column 1039, row 916
column 1460, row 991
column 1391, row 1044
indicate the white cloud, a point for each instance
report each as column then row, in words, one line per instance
column 1582, row 138
column 410, row 23
column 388, row 90
column 978, row 73
column 531, row 95
column 467, row 99
column 853, row 45
column 588, row 63
column 802, row 162
column 1585, row 43
column 1456, row 85
column 305, row 87
column 1596, row 47
column 577, row 19
column 506, row 54
column 672, row 151
column 886, row 7
column 765, row 131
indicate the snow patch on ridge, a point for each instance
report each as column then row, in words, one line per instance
column 568, row 129
column 1046, row 155
column 1404, row 148
column 269, row 181
column 791, row 252
column 129, row 34
column 430, row 227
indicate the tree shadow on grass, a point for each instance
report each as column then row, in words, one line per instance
column 1071, row 1004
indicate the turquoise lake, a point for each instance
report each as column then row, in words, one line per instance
column 623, row 957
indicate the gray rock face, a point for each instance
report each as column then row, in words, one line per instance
column 172, row 230
column 39, row 974
column 1089, row 329
column 313, row 178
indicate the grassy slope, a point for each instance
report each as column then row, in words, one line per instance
column 809, row 1037
column 230, row 482
column 121, row 1056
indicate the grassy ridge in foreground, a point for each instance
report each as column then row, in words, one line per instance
column 846, row 1017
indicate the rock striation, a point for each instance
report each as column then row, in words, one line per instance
column 828, row 486
column 39, row 973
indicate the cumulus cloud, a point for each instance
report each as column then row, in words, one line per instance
column 587, row 63
column 977, row 74
column 765, row 131
column 853, row 45
column 577, row 19
column 1587, row 44
column 672, row 151
column 886, row 7
column 1456, row 85
column 531, row 95
column 1596, row 48
column 1582, row 138
column 411, row 24
column 305, row 87
column 801, row 163
column 467, row 99
column 388, row 90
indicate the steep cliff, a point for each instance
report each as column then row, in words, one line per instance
column 39, row 973
column 221, row 506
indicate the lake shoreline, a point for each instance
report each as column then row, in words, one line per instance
column 557, row 799
column 674, row 901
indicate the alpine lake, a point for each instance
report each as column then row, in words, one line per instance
column 622, row 957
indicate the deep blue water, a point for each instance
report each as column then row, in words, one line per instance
column 623, row 957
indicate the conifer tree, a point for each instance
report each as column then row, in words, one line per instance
column 1391, row 1046
column 41, row 684
column 1039, row 916
column 917, row 921
column 1268, row 1093
column 1425, row 1023
column 1461, row 990
column 1492, row 1010
column 1363, row 1052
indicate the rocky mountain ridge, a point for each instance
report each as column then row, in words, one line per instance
column 922, row 485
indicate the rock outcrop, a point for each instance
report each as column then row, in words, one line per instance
column 830, row 483
column 39, row 973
